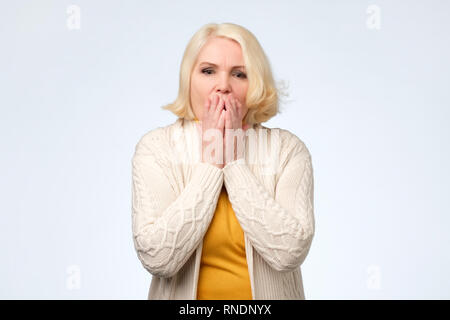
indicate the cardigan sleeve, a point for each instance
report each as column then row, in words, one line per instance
column 168, row 226
column 280, row 227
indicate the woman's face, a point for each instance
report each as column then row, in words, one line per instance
column 219, row 69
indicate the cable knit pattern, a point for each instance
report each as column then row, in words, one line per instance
column 280, row 229
column 168, row 227
column 174, row 202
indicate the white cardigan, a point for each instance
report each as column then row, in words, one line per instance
column 174, row 196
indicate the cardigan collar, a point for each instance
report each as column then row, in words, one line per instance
column 195, row 123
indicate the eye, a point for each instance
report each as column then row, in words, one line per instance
column 241, row 75
column 209, row 71
column 205, row 71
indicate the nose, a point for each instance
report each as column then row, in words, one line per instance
column 223, row 85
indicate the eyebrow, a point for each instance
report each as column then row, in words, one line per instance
column 215, row 65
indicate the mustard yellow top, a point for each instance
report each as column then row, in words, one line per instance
column 223, row 271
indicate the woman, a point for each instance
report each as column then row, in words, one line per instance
column 214, row 217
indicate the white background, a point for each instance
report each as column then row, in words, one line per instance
column 372, row 105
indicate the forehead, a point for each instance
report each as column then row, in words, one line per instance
column 221, row 51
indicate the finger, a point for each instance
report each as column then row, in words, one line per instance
column 207, row 105
column 228, row 124
column 230, row 102
column 219, row 108
column 238, row 107
column 221, row 122
column 212, row 107
column 226, row 102
column 214, row 103
column 233, row 110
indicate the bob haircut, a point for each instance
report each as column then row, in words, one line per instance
column 262, row 97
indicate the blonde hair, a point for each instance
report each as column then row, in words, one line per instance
column 262, row 95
